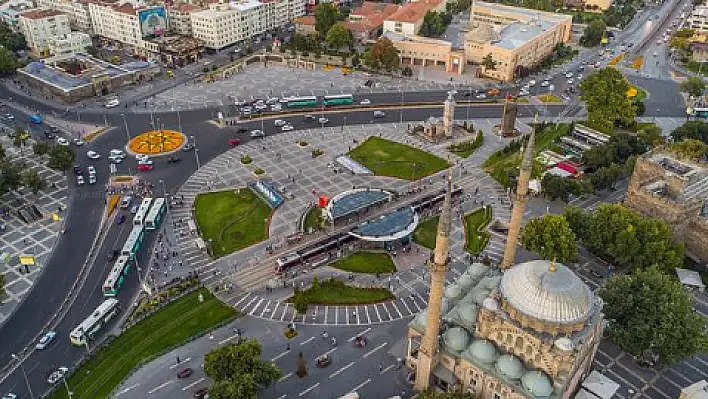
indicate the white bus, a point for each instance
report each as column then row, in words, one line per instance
column 116, row 276
column 132, row 244
column 142, row 211
column 154, row 217
column 88, row 328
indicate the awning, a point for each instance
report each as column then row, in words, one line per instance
column 445, row 374
column 690, row 277
column 26, row 260
column 600, row 385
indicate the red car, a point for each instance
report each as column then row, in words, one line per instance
column 234, row 142
column 184, row 373
column 145, row 168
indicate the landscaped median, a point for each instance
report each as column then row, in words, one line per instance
column 366, row 262
column 426, row 231
column 638, row 62
column 336, row 292
column 549, row 99
column 475, row 223
column 167, row 328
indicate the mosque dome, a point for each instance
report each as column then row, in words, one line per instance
column 483, row 351
column 476, row 269
column 453, row 292
column 480, row 296
column 509, row 366
column 465, row 281
column 456, row 339
column 537, row 383
column 491, row 304
column 445, row 306
column 564, row 344
column 547, row 291
column 468, row 314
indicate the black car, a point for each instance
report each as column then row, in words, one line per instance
column 174, row 159
column 188, row 147
column 309, row 117
column 241, row 130
column 77, row 170
column 113, row 255
column 48, row 134
column 54, row 129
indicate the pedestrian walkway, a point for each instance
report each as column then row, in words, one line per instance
column 35, row 239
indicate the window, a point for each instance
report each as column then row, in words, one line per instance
column 496, row 396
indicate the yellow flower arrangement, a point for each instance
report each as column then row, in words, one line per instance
column 155, row 142
column 632, row 92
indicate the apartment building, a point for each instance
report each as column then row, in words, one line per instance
column 180, row 16
column 698, row 20
column 69, row 44
column 408, row 19
column 224, row 24
column 38, row 26
column 133, row 26
column 78, row 12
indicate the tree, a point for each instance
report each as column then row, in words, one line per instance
column 550, row 237
column 607, row 176
column 8, row 62
column 338, row 36
column 691, row 130
column 61, row 158
column 326, row 15
column 690, row 148
column 578, row 221
column 431, row 394
column 605, row 95
column 649, row 314
column 556, row 187
column 19, row 138
column 594, row 33
column 2, row 287
column 237, row 370
column 300, row 366
column 693, row 86
column 10, row 176
column 34, row 181
column 11, row 40
column 383, row 54
column 434, row 24
column 488, row 62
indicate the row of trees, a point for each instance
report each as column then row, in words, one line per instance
column 605, row 95
column 10, row 43
column 593, row 34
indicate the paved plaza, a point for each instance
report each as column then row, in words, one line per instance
column 280, row 81
column 30, row 239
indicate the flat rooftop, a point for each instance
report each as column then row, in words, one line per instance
column 353, row 201
column 389, row 227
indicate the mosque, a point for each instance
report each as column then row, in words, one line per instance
column 527, row 330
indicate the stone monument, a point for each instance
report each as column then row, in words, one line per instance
column 508, row 125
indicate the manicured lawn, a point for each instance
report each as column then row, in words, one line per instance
column 467, row 148
column 426, row 231
column 313, row 218
column 549, row 98
column 389, row 158
column 165, row 329
column 507, row 160
column 366, row 262
column 641, row 93
column 232, row 221
column 474, row 223
column 335, row 292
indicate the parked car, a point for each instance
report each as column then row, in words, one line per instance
column 287, row 128
column 57, row 375
column 93, row 155
column 201, row 393
column 46, row 340
column 92, row 179
column 48, row 134
column 117, row 153
column 257, row 133
column 323, row 121
column 309, row 117
column 78, row 170
column 78, row 142
column 62, row 141
column 280, row 122
column 115, row 159
column 80, row 180
column 184, row 373
column 91, row 170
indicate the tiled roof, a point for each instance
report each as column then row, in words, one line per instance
column 306, row 20
column 185, row 7
column 42, row 13
column 126, row 9
column 413, row 12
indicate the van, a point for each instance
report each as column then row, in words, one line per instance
column 126, row 201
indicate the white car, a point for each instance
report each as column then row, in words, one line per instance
column 323, row 121
column 146, row 161
column 57, row 375
column 117, row 153
column 280, row 122
column 287, row 128
column 379, row 114
column 365, row 101
column 115, row 159
column 62, row 141
column 93, row 155
column 78, row 142
column 276, row 108
column 91, row 170
column 9, row 395
column 545, row 83
column 92, row 179
column 46, row 340
column 571, row 81
column 112, row 103
column 141, row 157
column 570, row 74
column 532, row 83
column 80, row 180
column 256, row 133
column 480, row 96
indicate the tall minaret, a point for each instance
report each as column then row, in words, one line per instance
column 520, row 199
column 428, row 352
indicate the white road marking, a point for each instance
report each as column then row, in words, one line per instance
column 157, row 388
column 386, row 369
column 285, row 377
column 336, row 373
column 193, row 384
column 183, row 361
column 282, row 396
column 329, row 351
column 361, row 333
column 279, row 356
column 225, row 340
column 358, row 387
column 127, row 389
column 375, row 349
column 308, row 389
column 307, row 341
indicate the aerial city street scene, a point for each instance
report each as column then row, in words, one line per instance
column 342, row 199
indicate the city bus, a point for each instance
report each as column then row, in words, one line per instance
column 132, row 244
column 116, row 276
column 154, row 217
column 89, row 327
column 339, row 99
column 142, row 211
column 295, row 102
column 700, row 112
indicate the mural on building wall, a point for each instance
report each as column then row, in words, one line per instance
column 153, row 21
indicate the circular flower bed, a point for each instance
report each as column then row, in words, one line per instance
column 246, row 159
column 154, row 142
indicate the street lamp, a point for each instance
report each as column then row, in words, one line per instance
column 196, row 151
column 179, row 120
column 68, row 391
column 24, row 373
column 469, row 102
column 345, row 124
column 127, row 132
column 401, row 118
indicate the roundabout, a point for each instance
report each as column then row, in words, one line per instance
column 156, row 142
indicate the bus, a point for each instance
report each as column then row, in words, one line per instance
column 88, row 328
column 154, row 217
column 700, row 112
column 116, row 276
column 295, row 102
column 132, row 244
column 339, row 99
column 142, row 211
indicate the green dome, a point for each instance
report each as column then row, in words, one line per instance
column 509, row 366
column 480, row 296
column 456, row 339
column 491, row 283
column 453, row 292
column 477, row 269
column 537, row 383
column 465, row 281
column 483, row 351
column 468, row 314
column 445, row 306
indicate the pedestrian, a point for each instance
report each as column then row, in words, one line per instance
column 178, row 360
column 380, row 367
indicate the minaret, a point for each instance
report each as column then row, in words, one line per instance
column 428, row 352
column 520, row 199
column 449, row 113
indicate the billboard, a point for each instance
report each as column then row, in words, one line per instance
column 153, row 21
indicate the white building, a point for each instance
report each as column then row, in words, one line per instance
column 181, row 18
column 224, row 24
column 698, row 19
column 129, row 24
column 38, row 26
column 78, row 12
column 69, row 44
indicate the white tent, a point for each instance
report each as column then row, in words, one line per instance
column 599, row 386
column 690, row 278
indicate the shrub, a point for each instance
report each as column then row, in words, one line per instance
column 317, row 152
column 259, row 171
column 246, row 159
column 290, row 333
